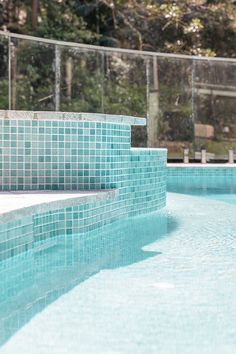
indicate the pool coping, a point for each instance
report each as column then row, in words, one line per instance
column 15, row 205
column 72, row 116
column 137, row 149
column 199, row 165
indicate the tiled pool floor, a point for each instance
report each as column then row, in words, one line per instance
column 179, row 299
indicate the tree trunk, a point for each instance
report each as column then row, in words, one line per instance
column 13, row 76
column 34, row 18
column 68, row 78
column 154, row 111
column 10, row 12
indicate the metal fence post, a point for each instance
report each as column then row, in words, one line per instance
column 9, row 72
column 57, row 77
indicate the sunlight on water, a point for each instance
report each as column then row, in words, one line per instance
column 31, row 281
column 162, row 283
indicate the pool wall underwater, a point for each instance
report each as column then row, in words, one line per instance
column 45, row 151
column 200, row 170
column 187, row 176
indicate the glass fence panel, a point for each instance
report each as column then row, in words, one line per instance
column 32, row 75
column 170, row 105
column 125, row 84
column 81, row 88
column 190, row 103
column 125, row 89
column 4, row 77
column 215, row 108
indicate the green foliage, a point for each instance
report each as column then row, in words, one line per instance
column 34, row 82
column 201, row 28
column 4, row 94
column 204, row 28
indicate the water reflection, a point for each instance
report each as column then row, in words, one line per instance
column 31, row 281
column 212, row 187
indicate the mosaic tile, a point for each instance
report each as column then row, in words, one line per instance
column 76, row 154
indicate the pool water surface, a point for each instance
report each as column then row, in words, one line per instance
column 163, row 283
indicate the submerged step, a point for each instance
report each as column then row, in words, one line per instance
column 15, row 205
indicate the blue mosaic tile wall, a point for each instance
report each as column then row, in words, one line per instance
column 204, row 171
column 146, row 193
column 62, row 155
column 29, row 233
column 190, row 178
column 147, row 185
column 75, row 220
column 209, row 173
column 76, row 155
column 16, row 237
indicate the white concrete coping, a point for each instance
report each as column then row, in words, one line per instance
column 76, row 116
column 202, row 165
column 137, row 149
column 15, row 205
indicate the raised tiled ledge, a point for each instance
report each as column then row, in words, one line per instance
column 81, row 172
column 17, row 205
column 90, row 117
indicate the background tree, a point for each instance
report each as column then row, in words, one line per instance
column 118, row 83
column 200, row 27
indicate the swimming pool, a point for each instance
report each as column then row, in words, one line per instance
column 223, row 189
column 162, row 283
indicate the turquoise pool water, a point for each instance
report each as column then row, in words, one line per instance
column 163, row 283
column 219, row 188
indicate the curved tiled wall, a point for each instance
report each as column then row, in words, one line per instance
column 41, row 154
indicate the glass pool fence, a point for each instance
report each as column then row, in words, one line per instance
column 189, row 102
